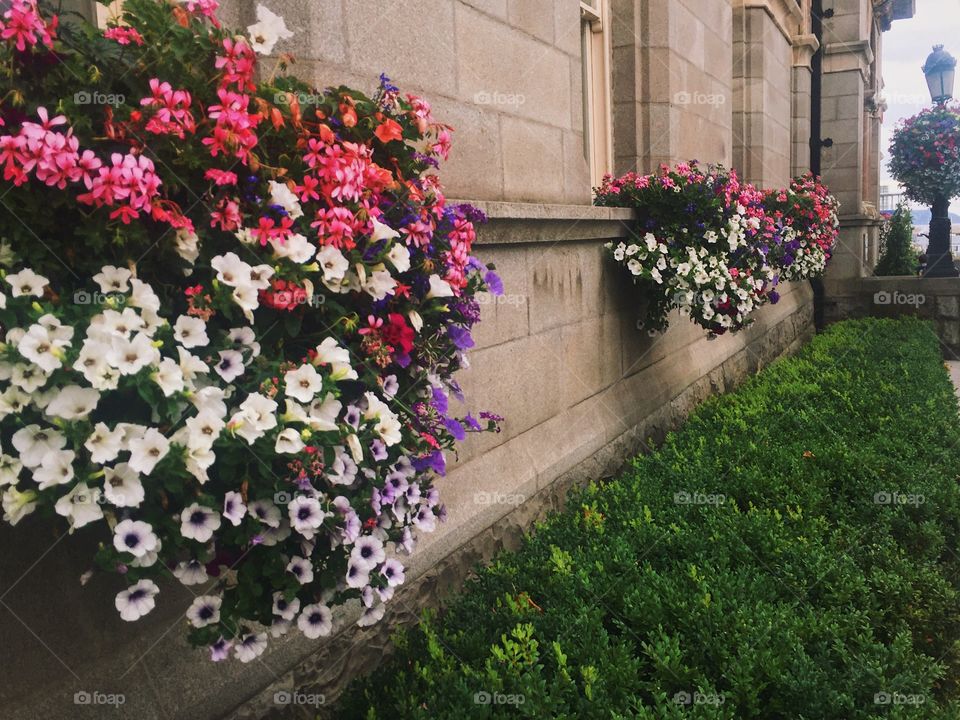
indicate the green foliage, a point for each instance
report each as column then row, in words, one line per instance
column 818, row 582
column 898, row 256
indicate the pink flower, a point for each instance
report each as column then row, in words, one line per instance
column 124, row 35
column 24, row 25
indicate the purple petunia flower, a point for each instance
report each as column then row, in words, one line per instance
column 455, row 428
column 494, row 283
column 460, row 337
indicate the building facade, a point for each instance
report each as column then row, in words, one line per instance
column 545, row 96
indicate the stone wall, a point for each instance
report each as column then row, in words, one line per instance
column 935, row 299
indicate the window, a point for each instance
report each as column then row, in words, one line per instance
column 595, row 51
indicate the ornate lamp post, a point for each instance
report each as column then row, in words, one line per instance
column 939, row 70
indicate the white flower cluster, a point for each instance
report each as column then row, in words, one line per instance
column 698, row 281
column 93, row 464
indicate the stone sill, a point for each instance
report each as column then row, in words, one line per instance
column 528, row 223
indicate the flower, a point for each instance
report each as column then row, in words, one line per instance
column 439, row 287
column 198, row 522
column 234, row 509
column 367, row 553
column 80, row 506
column 250, row 647
column 135, row 537
column 34, row 443
column 113, row 279
column 267, row 31
column 392, row 570
column 306, row 515
column 288, row 442
column 190, row 572
column 303, row 383
column 73, row 403
column 122, row 486
column 26, row 282
column 137, row 600
column 204, row 610
column 315, row 621
column 18, row 504
column 190, row 332
column 147, row 451
column 301, row 569
column 286, row 609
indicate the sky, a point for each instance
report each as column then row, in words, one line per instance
column 905, row 48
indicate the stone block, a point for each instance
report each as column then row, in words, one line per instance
column 948, row 307
column 391, row 39
column 532, row 161
column 565, row 284
column 505, row 317
column 534, row 17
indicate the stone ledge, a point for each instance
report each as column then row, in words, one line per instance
column 525, row 223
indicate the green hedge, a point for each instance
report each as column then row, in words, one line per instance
column 796, row 591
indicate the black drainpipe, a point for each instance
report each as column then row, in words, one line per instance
column 816, row 144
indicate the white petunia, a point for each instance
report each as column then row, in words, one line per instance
column 190, row 331
column 191, row 366
column 18, row 504
column 113, row 279
column 26, row 282
column 13, row 400
column 231, row 270
column 330, row 353
column 382, row 231
column 40, row 346
column 230, row 365
column 191, row 572
column 203, row 429
column 34, row 443
column 131, row 356
column 322, row 415
column 399, row 257
column 135, row 537
column 294, row 247
column 306, row 515
column 27, row 377
column 73, row 403
column 244, row 338
column 142, row 296
column 10, row 468
column 367, row 552
column 301, row 569
column 198, row 522
column 267, row 31
column 137, row 600
column 234, row 509
column 122, row 486
column 204, row 610
column 256, row 415
column 266, row 512
column 303, row 383
column 169, row 377
column 187, row 245
column 286, row 609
column 439, row 287
column 282, row 195
column 147, row 451
column 379, row 284
column 288, row 442
column 250, row 647
column 80, row 506
column 333, row 264
column 315, row 620
column 104, row 444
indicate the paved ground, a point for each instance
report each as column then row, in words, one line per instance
column 954, row 367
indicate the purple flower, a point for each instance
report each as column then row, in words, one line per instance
column 472, row 422
column 434, row 461
column 378, row 449
column 440, row 400
column 494, row 283
column 455, row 428
column 460, row 337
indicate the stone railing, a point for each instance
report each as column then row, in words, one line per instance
column 937, row 299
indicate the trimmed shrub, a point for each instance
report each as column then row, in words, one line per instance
column 897, row 255
column 789, row 553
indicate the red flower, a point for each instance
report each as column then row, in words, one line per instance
column 389, row 130
column 397, row 333
column 283, row 295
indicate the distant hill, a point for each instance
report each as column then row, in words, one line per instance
column 921, row 217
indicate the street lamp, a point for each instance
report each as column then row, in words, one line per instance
column 939, row 69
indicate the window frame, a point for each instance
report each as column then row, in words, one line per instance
column 595, row 44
